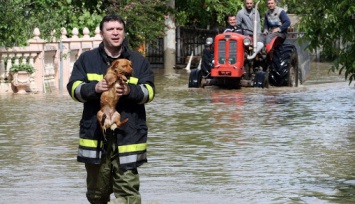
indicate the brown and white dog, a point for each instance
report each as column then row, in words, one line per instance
column 117, row 73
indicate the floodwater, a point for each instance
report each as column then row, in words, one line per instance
column 206, row 146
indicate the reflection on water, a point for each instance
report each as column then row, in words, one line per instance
column 276, row 145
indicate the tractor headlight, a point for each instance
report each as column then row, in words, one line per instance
column 247, row 42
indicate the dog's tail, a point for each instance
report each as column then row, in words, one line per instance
column 123, row 122
column 115, row 125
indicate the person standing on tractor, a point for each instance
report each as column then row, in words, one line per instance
column 245, row 18
column 276, row 23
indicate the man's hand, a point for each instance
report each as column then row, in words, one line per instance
column 101, row 86
column 122, row 88
column 275, row 30
column 266, row 32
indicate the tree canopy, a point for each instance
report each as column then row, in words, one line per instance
column 209, row 13
column 326, row 24
column 144, row 18
column 330, row 25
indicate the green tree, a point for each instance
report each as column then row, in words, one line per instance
column 204, row 13
column 209, row 13
column 329, row 25
column 144, row 18
column 20, row 17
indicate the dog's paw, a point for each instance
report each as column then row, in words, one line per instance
column 113, row 126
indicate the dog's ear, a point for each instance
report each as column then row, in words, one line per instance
column 115, row 64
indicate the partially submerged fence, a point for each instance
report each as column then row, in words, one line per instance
column 188, row 41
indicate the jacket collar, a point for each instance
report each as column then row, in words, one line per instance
column 252, row 12
column 107, row 59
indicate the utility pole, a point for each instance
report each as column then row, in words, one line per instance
column 169, row 42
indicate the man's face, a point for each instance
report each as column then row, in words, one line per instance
column 232, row 20
column 271, row 4
column 112, row 34
column 249, row 4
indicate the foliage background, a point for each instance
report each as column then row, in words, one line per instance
column 144, row 18
column 327, row 24
column 330, row 25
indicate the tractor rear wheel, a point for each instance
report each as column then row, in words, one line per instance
column 284, row 67
column 195, row 78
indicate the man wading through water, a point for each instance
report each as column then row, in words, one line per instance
column 111, row 162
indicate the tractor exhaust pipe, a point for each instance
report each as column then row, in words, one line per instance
column 255, row 33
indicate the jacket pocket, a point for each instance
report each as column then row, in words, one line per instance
column 86, row 129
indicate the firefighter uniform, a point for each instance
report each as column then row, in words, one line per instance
column 123, row 150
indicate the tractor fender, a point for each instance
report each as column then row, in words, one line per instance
column 276, row 41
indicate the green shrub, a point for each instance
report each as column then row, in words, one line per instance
column 22, row 67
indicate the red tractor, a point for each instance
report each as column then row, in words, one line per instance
column 279, row 64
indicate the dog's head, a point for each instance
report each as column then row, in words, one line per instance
column 118, row 68
column 122, row 67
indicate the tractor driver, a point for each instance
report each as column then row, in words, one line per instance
column 231, row 23
column 276, row 23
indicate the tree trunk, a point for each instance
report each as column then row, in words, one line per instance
column 169, row 42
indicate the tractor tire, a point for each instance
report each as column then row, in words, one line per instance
column 266, row 82
column 195, row 78
column 284, row 66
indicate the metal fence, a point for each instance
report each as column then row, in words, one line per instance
column 191, row 41
column 155, row 51
column 188, row 41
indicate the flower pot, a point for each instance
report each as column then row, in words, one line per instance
column 21, row 81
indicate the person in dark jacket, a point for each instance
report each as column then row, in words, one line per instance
column 207, row 57
column 276, row 23
column 111, row 161
column 231, row 23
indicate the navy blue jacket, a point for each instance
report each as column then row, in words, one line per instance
column 87, row 71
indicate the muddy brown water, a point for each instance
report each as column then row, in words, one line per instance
column 206, row 146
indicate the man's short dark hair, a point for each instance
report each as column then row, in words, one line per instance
column 112, row 17
column 227, row 17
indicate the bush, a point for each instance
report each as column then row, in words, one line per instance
column 22, row 67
